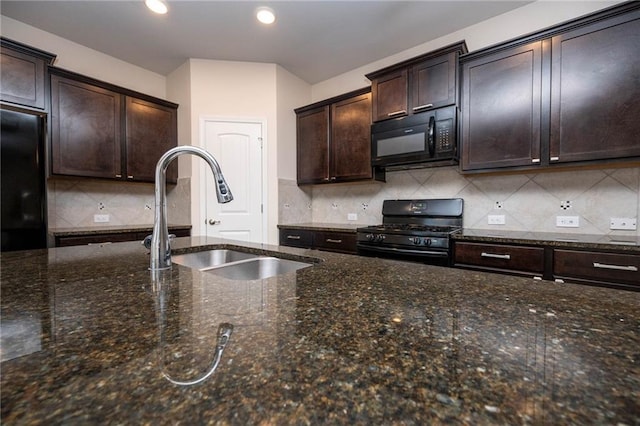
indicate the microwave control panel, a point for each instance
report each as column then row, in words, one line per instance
column 444, row 136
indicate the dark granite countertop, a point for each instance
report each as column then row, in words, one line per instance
column 114, row 229
column 88, row 337
column 319, row 226
column 621, row 243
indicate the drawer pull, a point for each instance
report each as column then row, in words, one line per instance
column 616, row 267
column 293, row 237
column 422, row 107
column 496, row 256
column 394, row 113
column 329, row 240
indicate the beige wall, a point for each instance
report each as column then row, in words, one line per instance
column 75, row 57
column 232, row 90
column 267, row 91
column 521, row 21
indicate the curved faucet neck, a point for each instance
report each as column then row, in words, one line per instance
column 160, row 243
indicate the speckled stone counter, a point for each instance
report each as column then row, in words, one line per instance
column 88, row 337
column 320, row 226
column 622, row 243
column 67, row 232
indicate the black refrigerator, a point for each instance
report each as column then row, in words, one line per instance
column 22, row 181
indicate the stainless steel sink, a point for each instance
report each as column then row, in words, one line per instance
column 210, row 258
column 259, row 268
column 237, row 265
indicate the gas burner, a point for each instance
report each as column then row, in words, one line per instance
column 413, row 229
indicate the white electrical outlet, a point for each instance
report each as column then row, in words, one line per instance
column 623, row 223
column 352, row 216
column 100, row 218
column 496, row 219
column 568, row 221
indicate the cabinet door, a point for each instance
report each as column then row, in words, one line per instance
column 296, row 238
column 23, row 78
column 151, row 130
column 501, row 101
column 85, row 129
column 390, row 95
column 595, row 91
column 433, row 83
column 313, row 145
column 498, row 257
column 343, row 242
column 351, row 139
column 588, row 266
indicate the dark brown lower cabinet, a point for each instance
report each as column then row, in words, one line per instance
column 517, row 260
column 544, row 261
column 592, row 267
column 110, row 237
column 336, row 241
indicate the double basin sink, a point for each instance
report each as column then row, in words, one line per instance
column 238, row 265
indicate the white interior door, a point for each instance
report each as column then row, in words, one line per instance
column 237, row 145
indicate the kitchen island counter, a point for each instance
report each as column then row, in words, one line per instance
column 89, row 336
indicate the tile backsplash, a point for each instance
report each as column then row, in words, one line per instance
column 529, row 202
column 72, row 203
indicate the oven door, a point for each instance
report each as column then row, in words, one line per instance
column 431, row 257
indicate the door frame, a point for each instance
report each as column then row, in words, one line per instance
column 201, row 170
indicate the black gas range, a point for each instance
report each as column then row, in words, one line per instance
column 416, row 230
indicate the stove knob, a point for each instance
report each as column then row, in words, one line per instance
column 415, row 240
column 370, row 237
column 382, row 237
column 427, row 242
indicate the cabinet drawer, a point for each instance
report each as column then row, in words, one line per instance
column 500, row 257
column 296, row 238
column 595, row 266
column 344, row 242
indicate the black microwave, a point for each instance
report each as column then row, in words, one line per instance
column 419, row 140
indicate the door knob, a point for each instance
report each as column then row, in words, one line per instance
column 213, row 222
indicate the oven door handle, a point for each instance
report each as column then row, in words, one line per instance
column 405, row 251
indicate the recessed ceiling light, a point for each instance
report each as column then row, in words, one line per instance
column 265, row 15
column 157, row 6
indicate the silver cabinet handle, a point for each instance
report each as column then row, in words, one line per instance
column 422, row 107
column 554, row 159
column 496, row 256
column 118, row 176
column 129, row 177
column 535, row 160
column 394, row 113
column 616, row 267
column 293, row 237
column 329, row 240
column 214, row 222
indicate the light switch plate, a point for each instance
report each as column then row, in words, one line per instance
column 352, row 216
column 100, row 218
column 568, row 221
column 496, row 219
column 623, row 223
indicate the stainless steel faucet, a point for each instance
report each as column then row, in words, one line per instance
column 160, row 243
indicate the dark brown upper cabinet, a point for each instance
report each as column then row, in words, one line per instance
column 501, row 108
column 24, row 70
column 104, row 131
column 568, row 95
column 334, row 140
column 151, row 130
column 595, row 91
column 419, row 84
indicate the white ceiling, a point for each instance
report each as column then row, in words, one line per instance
column 314, row 40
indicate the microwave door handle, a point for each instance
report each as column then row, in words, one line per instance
column 431, row 136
